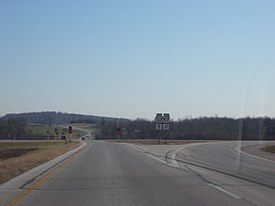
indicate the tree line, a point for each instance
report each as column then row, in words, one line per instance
column 12, row 128
column 202, row 128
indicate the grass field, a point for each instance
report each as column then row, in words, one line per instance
column 41, row 131
column 19, row 156
column 85, row 126
column 79, row 133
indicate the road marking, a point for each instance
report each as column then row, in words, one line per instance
column 156, row 158
column 234, row 152
column 240, row 152
column 137, row 148
column 27, row 191
column 174, row 162
column 224, row 191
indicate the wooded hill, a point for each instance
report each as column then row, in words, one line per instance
column 58, row 118
column 12, row 125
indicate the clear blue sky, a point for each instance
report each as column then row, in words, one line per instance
column 135, row 58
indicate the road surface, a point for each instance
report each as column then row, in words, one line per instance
column 115, row 174
column 228, row 157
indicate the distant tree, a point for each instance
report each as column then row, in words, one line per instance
column 12, row 128
column 102, row 122
column 50, row 121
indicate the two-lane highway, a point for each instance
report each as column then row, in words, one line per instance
column 115, row 174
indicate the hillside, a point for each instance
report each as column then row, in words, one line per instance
column 59, row 118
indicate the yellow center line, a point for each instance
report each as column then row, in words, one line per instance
column 23, row 194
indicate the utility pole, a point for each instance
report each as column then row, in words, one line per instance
column 118, row 130
column 14, row 133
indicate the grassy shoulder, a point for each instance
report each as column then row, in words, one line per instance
column 20, row 156
column 270, row 148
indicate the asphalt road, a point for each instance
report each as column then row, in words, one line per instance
column 228, row 157
column 116, row 174
column 224, row 166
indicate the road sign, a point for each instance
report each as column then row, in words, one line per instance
column 124, row 131
column 70, row 130
column 158, row 118
column 158, row 126
column 162, row 121
column 166, row 118
column 118, row 131
column 166, row 126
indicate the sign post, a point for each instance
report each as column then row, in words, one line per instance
column 70, row 133
column 14, row 133
column 124, row 133
column 56, row 133
column 162, row 122
column 118, row 130
column 158, row 122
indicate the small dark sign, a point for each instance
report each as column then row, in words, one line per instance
column 70, row 130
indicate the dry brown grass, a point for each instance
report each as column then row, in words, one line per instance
column 270, row 148
column 15, row 166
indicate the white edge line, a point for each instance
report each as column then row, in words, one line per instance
column 152, row 156
column 175, row 164
column 155, row 158
column 137, row 148
column 173, row 156
column 254, row 156
column 239, row 151
column 224, row 191
column 234, row 152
